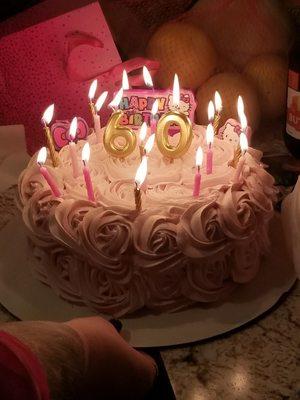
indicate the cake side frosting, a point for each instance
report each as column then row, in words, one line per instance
column 179, row 250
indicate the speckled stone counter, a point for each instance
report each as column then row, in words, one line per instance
column 258, row 362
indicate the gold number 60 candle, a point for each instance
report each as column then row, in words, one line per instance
column 118, row 140
column 178, row 118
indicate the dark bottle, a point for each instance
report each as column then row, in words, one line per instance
column 292, row 131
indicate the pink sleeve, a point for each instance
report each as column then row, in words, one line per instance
column 21, row 374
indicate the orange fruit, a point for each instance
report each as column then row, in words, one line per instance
column 183, row 49
column 268, row 73
column 230, row 85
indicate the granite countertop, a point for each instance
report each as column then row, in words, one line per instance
column 258, row 362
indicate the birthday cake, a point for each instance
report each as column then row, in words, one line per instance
column 177, row 250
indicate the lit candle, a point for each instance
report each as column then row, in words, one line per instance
column 178, row 118
column 72, row 147
column 86, row 173
column 115, row 131
column 211, row 111
column 125, row 81
column 218, row 107
column 240, row 166
column 209, row 153
column 41, row 159
column 97, row 121
column 243, row 123
column 240, row 106
column 47, row 118
column 139, row 180
column 197, row 179
column 147, row 78
column 153, row 122
column 149, row 144
column 142, row 137
column 91, row 95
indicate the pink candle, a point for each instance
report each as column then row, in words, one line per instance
column 88, row 182
column 209, row 153
column 153, row 121
column 41, row 159
column 197, row 179
column 197, row 184
column 86, row 172
column 209, row 160
column 50, row 180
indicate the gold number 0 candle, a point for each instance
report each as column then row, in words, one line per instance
column 184, row 123
column 118, row 140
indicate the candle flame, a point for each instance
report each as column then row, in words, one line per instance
column 240, row 106
column 48, row 114
column 116, row 101
column 218, row 101
column 86, row 151
column 42, row 156
column 93, row 89
column 147, row 77
column 176, row 91
column 143, row 132
column 125, row 82
column 243, row 121
column 209, row 134
column 243, row 142
column 73, row 128
column 210, row 111
column 100, row 101
column 154, row 107
column 199, row 157
column 149, row 144
column 141, row 172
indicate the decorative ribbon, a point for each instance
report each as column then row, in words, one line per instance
column 113, row 75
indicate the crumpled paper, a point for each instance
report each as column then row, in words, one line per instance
column 291, row 225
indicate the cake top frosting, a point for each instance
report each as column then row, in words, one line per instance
column 139, row 254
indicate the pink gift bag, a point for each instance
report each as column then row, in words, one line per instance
column 55, row 62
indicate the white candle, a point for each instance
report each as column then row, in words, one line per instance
column 72, row 147
column 209, row 153
column 125, row 81
column 86, row 172
column 97, row 121
column 240, row 166
column 142, row 137
column 153, row 122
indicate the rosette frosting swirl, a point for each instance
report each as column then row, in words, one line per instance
column 179, row 250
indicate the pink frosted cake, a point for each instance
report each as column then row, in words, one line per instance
column 178, row 251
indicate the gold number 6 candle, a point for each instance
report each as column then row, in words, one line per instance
column 118, row 140
column 178, row 118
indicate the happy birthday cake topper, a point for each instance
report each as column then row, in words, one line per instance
column 137, row 104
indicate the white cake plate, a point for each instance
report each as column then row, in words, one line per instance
column 28, row 299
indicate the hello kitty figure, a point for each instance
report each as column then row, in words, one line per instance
column 231, row 131
column 184, row 104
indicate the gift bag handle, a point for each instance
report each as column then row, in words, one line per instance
column 113, row 75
